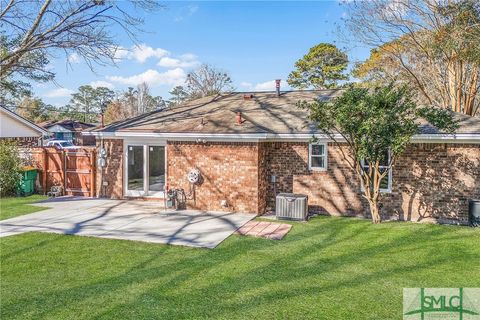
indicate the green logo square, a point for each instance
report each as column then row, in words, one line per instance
column 441, row 303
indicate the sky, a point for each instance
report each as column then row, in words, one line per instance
column 255, row 42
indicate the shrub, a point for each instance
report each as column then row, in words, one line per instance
column 10, row 167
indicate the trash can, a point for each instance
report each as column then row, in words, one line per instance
column 27, row 184
column 474, row 212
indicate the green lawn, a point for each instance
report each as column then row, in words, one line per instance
column 17, row 206
column 329, row 268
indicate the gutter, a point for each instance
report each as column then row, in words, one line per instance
column 418, row 138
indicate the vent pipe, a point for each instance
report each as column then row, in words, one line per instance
column 277, row 86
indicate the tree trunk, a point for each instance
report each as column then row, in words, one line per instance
column 472, row 92
column 370, row 195
column 374, row 211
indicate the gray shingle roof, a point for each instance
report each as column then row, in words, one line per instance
column 263, row 113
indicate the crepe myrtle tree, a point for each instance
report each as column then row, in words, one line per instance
column 368, row 124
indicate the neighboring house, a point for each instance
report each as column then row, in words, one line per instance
column 246, row 159
column 19, row 129
column 70, row 130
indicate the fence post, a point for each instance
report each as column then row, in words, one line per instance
column 45, row 170
column 64, row 171
column 92, row 173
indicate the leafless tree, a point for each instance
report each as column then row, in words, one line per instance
column 206, row 81
column 47, row 27
column 145, row 101
column 431, row 44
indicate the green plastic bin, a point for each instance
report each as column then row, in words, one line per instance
column 27, row 184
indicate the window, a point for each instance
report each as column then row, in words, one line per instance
column 386, row 183
column 317, row 159
column 68, row 136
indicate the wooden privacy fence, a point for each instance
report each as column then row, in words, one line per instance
column 74, row 170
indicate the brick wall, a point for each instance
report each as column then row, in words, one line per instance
column 113, row 171
column 430, row 181
column 263, row 178
column 333, row 192
column 25, row 141
column 434, row 182
column 230, row 172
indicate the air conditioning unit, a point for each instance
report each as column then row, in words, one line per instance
column 291, row 206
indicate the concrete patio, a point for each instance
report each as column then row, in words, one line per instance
column 128, row 220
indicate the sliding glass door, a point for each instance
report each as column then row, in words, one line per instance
column 145, row 170
column 156, row 170
column 135, row 160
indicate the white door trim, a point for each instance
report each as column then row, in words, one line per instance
column 145, row 192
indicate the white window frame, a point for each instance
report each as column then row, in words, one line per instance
column 389, row 176
column 145, row 192
column 325, row 156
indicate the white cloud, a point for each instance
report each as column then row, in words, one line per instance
column 121, row 53
column 270, row 86
column 188, row 56
column 142, row 52
column 153, row 77
column 184, row 61
column 74, row 58
column 265, row 86
column 57, row 93
column 101, row 83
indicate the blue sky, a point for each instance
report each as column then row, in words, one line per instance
column 256, row 42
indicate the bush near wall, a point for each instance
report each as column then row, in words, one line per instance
column 10, row 167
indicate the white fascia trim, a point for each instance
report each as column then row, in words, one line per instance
column 215, row 136
column 419, row 138
column 180, row 136
column 447, row 138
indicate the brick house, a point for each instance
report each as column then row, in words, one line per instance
column 249, row 147
column 24, row 132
